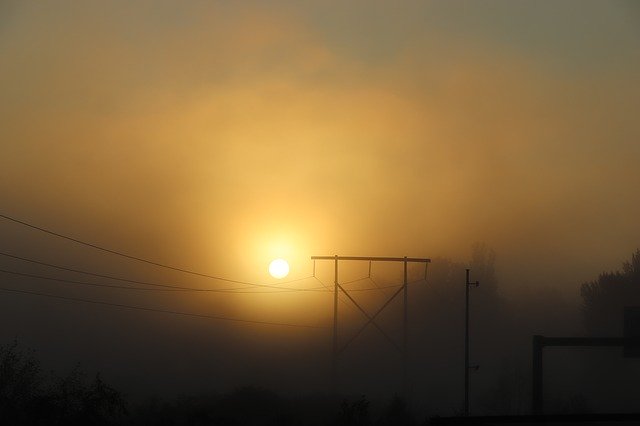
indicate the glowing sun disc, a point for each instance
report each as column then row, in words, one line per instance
column 279, row 268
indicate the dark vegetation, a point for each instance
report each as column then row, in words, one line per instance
column 500, row 344
column 28, row 396
column 577, row 380
column 605, row 298
column 256, row 406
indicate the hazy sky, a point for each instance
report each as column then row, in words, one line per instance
column 218, row 135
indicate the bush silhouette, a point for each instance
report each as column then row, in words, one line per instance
column 605, row 298
column 30, row 397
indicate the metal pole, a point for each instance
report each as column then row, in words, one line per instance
column 334, row 366
column 466, row 347
column 466, row 344
column 405, row 343
column 536, row 370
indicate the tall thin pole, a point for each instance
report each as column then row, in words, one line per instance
column 334, row 366
column 536, row 393
column 405, row 342
column 466, row 343
column 466, row 347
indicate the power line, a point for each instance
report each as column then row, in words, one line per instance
column 342, row 299
column 168, row 286
column 354, row 281
column 124, row 287
column 164, row 311
column 161, row 265
column 377, row 287
column 40, row 277
column 375, row 283
column 139, row 259
column 372, row 288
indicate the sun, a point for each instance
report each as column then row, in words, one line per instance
column 279, row 268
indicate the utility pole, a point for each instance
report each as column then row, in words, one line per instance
column 405, row 337
column 403, row 349
column 334, row 362
column 466, row 344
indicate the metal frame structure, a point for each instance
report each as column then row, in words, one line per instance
column 371, row 319
column 538, row 344
column 630, row 343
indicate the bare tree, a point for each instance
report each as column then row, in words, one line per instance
column 605, row 298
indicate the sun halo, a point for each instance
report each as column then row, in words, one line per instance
column 279, row 268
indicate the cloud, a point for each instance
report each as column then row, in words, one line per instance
column 214, row 115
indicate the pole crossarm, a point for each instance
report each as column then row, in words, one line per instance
column 581, row 341
column 374, row 258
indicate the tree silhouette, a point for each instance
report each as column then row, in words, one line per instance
column 483, row 260
column 29, row 397
column 354, row 413
column 397, row 413
column 21, row 384
column 605, row 298
column 77, row 402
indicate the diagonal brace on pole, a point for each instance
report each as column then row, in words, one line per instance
column 371, row 320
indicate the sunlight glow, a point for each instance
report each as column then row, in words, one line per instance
column 279, row 268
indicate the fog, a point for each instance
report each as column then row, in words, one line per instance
column 214, row 137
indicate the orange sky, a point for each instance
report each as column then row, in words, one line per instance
column 217, row 136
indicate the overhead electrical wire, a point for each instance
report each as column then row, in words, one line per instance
column 161, row 265
column 346, row 302
column 165, row 311
column 354, row 281
column 153, row 284
column 40, row 277
column 136, row 258
column 377, row 287
column 162, row 287
column 373, row 288
column 165, row 287
column 340, row 295
column 124, row 287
